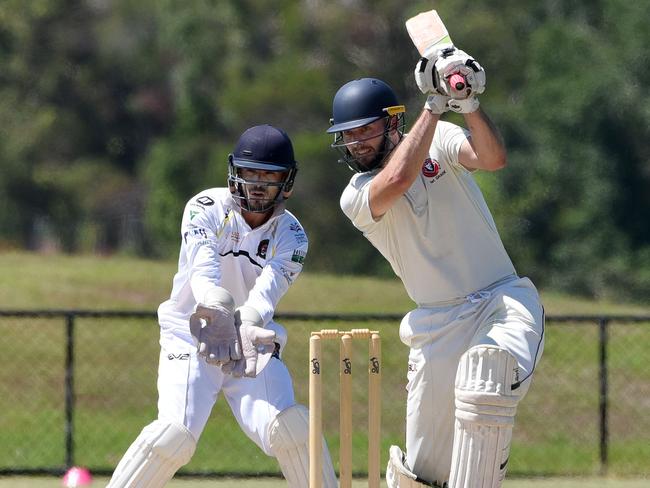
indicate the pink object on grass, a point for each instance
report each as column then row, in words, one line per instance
column 76, row 476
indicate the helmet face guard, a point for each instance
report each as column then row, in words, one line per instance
column 247, row 192
column 261, row 148
column 357, row 104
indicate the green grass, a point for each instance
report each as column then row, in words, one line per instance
column 32, row 482
column 37, row 281
column 557, row 425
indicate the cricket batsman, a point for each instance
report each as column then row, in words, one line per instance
column 477, row 332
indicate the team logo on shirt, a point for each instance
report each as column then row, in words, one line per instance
column 196, row 234
column 262, row 248
column 205, row 200
column 288, row 274
column 298, row 256
column 298, row 233
column 430, row 168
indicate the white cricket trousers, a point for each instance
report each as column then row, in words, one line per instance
column 188, row 388
column 508, row 315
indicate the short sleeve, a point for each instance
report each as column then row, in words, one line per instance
column 355, row 202
column 448, row 139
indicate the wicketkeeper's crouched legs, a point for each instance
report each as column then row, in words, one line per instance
column 155, row 455
column 487, row 394
column 289, row 443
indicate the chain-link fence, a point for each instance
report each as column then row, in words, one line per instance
column 77, row 387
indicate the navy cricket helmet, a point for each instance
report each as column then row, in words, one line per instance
column 262, row 148
column 361, row 102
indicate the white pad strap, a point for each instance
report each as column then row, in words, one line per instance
column 153, row 458
column 289, row 443
column 487, row 394
column 398, row 475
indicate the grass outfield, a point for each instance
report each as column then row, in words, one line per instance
column 25, row 482
column 37, row 281
column 557, row 425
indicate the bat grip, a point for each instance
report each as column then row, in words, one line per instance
column 457, row 82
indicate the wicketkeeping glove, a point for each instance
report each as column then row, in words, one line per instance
column 213, row 329
column 257, row 343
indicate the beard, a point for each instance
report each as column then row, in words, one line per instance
column 261, row 199
column 365, row 156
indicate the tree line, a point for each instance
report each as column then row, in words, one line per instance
column 113, row 113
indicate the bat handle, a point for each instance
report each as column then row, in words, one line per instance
column 457, row 82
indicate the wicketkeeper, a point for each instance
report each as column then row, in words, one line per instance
column 240, row 251
column 478, row 329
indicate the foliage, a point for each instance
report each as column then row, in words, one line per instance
column 114, row 113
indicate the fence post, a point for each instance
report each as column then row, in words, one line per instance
column 604, row 431
column 69, row 390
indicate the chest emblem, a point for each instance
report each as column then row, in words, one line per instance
column 430, row 168
column 262, row 248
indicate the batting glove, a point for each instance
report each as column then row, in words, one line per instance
column 465, row 106
column 426, row 75
column 453, row 62
column 437, row 104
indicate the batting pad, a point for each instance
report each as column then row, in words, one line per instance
column 487, row 394
column 289, row 443
column 153, row 458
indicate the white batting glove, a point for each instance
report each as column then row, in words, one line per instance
column 257, row 343
column 426, row 75
column 213, row 329
column 437, row 104
column 459, row 62
column 465, row 106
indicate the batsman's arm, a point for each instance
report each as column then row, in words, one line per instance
column 484, row 149
column 403, row 165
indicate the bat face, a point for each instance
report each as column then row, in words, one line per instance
column 426, row 30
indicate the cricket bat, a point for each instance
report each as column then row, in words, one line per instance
column 427, row 30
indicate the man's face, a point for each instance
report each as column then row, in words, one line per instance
column 258, row 193
column 365, row 142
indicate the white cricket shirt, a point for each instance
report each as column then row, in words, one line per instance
column 218, row 248
column 439, row 237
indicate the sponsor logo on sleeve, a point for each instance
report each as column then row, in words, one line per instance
column 298, row 256
column 205, row 200
column 289, row 275
column 197, row 233
column 298, row 233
